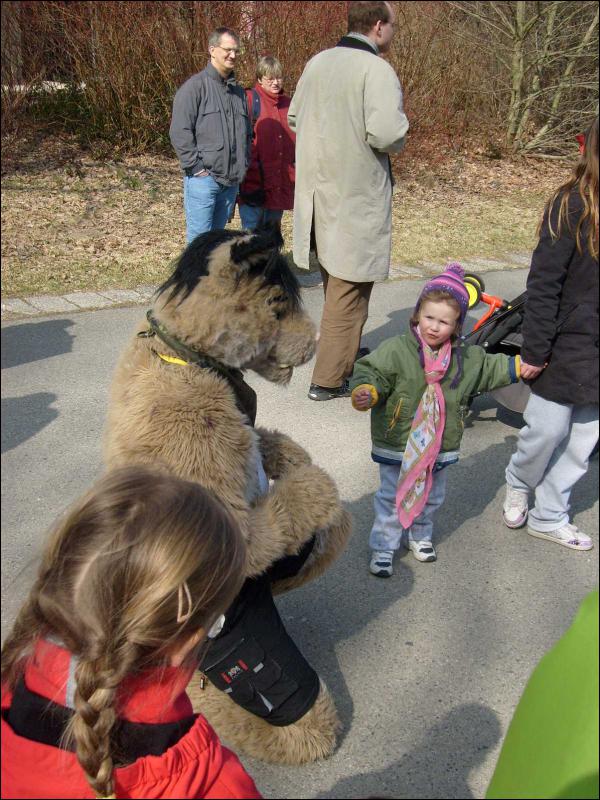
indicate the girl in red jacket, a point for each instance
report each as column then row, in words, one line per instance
column 268, row 188
column 132, row 583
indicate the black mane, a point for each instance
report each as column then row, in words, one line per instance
column 274, row 269
column 192, row 264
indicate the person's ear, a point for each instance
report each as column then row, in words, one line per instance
column 179, row 655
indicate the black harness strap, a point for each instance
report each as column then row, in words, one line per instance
column 245, row 396
column 35, row 718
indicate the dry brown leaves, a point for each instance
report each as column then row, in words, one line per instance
column 69, row 222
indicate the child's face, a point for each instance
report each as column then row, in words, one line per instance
column 437, row 321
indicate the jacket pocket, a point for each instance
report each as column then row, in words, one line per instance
column 251, row 678
column 565, row 318
column 393, row 415
column 209, row 130
column 580, row 318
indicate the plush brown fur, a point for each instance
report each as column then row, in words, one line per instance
column 312, row 737
column 186, row 419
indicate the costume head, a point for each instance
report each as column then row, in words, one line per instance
column 234, row 297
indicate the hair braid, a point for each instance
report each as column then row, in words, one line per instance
column 97, row 681
column 107, row 593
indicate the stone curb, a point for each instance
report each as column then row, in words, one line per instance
column 73, row 302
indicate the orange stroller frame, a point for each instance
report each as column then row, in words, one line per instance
column 499, row 329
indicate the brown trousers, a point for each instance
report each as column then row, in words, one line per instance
column 344, row 314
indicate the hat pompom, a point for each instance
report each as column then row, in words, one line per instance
column 456, row 269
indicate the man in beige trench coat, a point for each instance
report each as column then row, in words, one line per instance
column 348, row 116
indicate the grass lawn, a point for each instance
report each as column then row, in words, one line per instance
column 79, row 224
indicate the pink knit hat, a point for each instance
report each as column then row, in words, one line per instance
column 451, row 281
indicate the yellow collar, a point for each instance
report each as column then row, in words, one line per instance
column 172, row 359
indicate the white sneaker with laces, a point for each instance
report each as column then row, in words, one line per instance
column 515, row 508
column 422, row 551
column 568, row 535
column 381, row 563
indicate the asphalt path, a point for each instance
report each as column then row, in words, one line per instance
column 426, row 668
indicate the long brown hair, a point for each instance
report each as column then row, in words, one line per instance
column 585, row 180
column 110, row 588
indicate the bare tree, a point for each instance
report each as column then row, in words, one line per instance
column 547, row 56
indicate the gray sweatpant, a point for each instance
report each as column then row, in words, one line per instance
column 553, row 452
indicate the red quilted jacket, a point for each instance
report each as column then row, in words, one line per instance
column 196, row 766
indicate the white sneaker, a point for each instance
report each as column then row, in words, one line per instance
column 515, row 508
column 568, row 535
column 422, row 551
column 381, row 563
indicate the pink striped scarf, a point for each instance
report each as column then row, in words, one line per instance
column 425, row 437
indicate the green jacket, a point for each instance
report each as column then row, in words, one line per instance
column 397, row 375
column 551, row 748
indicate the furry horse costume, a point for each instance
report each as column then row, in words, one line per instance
column 179, row 400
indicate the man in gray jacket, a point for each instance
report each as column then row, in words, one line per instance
column 211, row 133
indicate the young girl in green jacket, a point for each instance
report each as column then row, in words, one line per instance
column 419, row 387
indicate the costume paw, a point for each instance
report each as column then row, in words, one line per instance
column 280, row 453
column 311, row 502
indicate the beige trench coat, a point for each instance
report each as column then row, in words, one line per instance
column 347, row 113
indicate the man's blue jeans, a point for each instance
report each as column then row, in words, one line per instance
column 252, row 216
column 208, row 205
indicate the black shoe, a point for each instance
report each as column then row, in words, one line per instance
column 317, row 392
column 363, row 351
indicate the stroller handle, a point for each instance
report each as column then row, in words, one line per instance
column 495, row 303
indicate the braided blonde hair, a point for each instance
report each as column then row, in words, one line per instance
column 109, row 587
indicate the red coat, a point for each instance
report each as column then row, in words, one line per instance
column 274, row 144
column 196, row 766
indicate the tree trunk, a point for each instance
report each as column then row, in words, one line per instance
column 12, row 44
column 517, row 74
column 535, row 84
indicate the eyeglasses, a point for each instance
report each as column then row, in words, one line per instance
column 271, row 80
column 228, row 50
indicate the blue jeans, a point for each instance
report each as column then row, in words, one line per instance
column 387, row 532
column 208, row 205
column 252, row 216
column 552, row 454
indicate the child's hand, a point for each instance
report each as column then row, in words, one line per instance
column 362, row 399
column 529, row 372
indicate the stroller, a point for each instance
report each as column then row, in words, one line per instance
column 499, row 331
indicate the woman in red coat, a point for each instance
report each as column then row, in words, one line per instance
column 133, row 581
column 268, row 188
